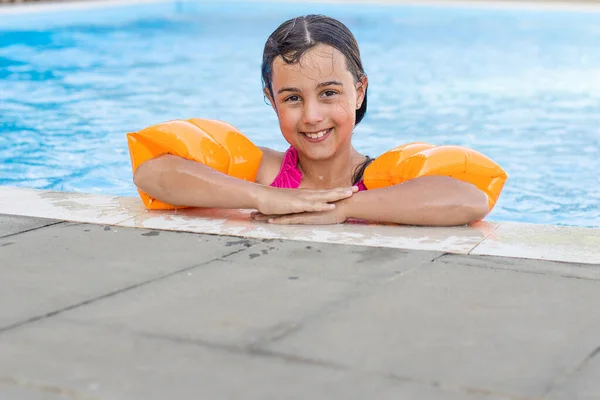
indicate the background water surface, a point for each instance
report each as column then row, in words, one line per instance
column 523, row 87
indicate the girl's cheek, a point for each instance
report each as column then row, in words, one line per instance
column 284, row 114
column 287, row 118
column 344, row 113
column 344, row 109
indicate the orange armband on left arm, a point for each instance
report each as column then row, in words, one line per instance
column 213, row 143
column 413, row 160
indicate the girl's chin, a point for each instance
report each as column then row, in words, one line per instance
column 315, row 153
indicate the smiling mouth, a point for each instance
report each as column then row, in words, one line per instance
column 317, row 136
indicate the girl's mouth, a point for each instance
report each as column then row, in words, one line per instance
column 318, row 136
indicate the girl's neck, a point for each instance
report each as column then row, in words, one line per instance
column 334, row 172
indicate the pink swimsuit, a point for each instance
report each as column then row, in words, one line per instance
column 290, row 176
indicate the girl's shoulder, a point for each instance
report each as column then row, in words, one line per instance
column 270, row 165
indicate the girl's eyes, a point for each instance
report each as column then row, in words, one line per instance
column 295, row 98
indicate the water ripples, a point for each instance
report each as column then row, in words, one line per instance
column 521, row 87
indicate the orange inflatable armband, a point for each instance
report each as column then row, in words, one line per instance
column 210, row 142
column 413, row 160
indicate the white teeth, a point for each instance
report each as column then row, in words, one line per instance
column 317, row 135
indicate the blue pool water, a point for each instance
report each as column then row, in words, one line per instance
column 523, row 87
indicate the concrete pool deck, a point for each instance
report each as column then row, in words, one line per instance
column 104, row 300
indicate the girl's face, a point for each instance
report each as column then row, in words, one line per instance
column 316, row 101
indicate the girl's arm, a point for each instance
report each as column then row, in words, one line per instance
column 178, row 181
column 427, row 200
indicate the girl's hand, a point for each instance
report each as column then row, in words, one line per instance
column 276, row 201
column 329, row 217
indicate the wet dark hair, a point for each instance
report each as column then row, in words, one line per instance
column 296, row 36
column 359, row 172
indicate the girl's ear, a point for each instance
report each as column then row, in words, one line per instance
column 268, row 97
column 361, row 90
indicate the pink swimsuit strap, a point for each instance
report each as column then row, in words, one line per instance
column 290, row 176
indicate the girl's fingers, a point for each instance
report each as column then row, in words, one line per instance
column 322, row 207
column 303, row 201
column 343, row 194
column 305, row 218
column 308, row 207
column 333, row 195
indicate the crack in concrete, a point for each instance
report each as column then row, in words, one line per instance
column 45, row 388
column 32, row 229
column 307, row 361
column 552, row 386
column 589, row 358
column 239, row 350
column 440, row 256
column 113, row 293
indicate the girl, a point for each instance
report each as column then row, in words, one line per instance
column 314, row 79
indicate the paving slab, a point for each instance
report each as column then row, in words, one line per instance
column 99, row 363
column 13, row 224
column 506, row 331
column 60, row 266
column 251, row 297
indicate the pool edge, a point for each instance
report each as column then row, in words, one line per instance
column 486, row 238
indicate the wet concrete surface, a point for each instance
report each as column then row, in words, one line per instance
column 103, row 312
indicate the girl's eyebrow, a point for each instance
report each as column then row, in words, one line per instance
column 320, row 85
column 329, row 83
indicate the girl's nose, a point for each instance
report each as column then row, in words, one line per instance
column 312, row 113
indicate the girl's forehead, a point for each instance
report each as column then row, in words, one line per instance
column 321, row 62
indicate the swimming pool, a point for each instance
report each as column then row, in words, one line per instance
column 523, row 87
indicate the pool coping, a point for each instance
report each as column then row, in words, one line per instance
column 549, row 5
column 484, row 238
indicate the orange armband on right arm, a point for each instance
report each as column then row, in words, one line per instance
column 213, row 143
column 413, row 160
